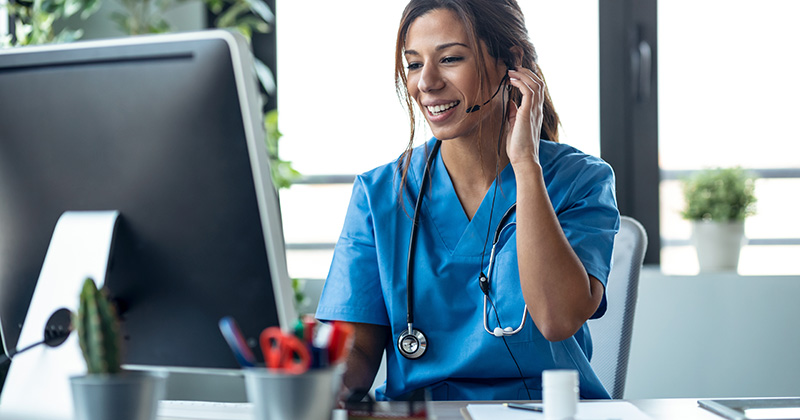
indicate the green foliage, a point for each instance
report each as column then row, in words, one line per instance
column 300, row 298
column 720, row 195
column 34, row 20
column 246, row 16
column 144, row 16
column 34, row 25
column 98, row 330
column 283, row 175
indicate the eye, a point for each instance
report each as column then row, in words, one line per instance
column 452, row 59
column 413, row 66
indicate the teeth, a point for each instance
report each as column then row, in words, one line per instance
column 438, row 109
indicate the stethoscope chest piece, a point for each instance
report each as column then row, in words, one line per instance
column 412, row 345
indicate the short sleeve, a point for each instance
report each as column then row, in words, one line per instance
column 352, row 290
column 591, row 221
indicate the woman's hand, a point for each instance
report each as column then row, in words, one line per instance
column 525, row 121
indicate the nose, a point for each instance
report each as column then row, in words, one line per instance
column 430, row 79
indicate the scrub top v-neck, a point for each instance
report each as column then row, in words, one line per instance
column 367, row 279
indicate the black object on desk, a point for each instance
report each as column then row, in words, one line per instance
column 361, row 406
column 754, row 408
column 528, row 407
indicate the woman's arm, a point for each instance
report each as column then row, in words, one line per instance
column 364, row 359
column 559, row 293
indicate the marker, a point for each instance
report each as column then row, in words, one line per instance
column 528, row 407
column 309, row 325
column 233, row 336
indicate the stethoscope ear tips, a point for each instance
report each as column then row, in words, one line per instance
column 500, row 332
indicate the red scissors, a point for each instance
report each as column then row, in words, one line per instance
column 284, row 352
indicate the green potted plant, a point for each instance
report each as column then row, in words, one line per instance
column 107, row 391
column 717, row 203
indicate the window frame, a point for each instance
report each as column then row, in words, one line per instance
column 629, row 111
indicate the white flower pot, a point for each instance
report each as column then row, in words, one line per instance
column 129, row 395
column 718, row 244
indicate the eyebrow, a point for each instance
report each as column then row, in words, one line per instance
column 439, row 47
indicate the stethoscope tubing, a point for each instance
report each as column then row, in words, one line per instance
column 501, row 227
column 412, row 241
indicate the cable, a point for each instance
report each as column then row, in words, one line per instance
column 3, row 341
column 514, row 359
column 47, row 340
column 56, row 331
column 488, row 230
column 496, row 175
column 8, row 357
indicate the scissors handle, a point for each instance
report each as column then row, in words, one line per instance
column 284, row 352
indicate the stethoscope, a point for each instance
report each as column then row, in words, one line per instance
column 483, row 281
column 412, row 342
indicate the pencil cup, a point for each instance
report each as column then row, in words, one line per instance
column 281, row 396
column 560, row 394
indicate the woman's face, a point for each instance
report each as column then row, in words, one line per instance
column 442, row 75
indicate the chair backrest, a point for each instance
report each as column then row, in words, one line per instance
column 611, row 334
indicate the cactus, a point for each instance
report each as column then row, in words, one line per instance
column 98, row 330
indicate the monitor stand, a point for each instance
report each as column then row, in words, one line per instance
column 37, row 385
column 200, row 384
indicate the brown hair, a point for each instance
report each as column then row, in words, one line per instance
column 501, row 26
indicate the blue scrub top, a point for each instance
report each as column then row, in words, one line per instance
column 367, row 279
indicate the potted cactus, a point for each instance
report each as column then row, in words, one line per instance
column 107, row 391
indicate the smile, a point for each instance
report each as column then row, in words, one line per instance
column 440, row 109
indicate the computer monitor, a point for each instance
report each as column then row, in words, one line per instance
column 168, row 131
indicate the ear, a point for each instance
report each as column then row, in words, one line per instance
column 517, row 52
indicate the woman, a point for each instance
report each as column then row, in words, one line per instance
column 470, row 70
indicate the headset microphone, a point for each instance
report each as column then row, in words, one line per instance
column 478, row 107
column 474, row 108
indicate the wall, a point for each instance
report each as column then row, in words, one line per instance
column 715, row 335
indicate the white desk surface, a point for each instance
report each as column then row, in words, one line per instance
column 658, row 409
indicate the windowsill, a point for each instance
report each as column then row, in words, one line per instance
column 652, row 271
column 754, row 260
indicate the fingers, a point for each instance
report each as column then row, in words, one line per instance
column 512, row 113
column 529, row 83
column 526, row 120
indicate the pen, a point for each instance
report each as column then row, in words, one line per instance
column 233, row 336
column 536, row 408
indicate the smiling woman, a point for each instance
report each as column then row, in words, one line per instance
column 493, row 165
column 360, row 111
column 433, row 60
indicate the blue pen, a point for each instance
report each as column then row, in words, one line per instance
column 233, row 336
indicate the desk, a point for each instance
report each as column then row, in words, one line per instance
column 658, row 409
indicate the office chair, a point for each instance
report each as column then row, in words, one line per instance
column 611, row 334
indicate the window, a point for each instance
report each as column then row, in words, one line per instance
column 728, row 96
column 3, row 20
column 340, row 115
